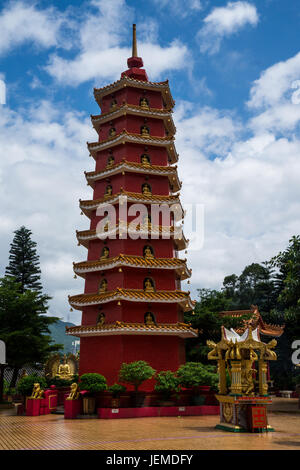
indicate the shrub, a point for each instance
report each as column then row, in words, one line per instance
column 58, row 382
column 92, row 383
column 116, row 390
column 194, row 374
column 25, row 385
column 135, row 373
column 167, row 383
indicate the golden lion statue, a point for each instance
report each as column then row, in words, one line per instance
column 37, row 392
column 74, row 393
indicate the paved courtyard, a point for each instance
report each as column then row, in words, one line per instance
column 186, row 433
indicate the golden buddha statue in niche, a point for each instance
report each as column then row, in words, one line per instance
column 101, row 319
column 149, row 319
column 112, row 132
column 103, row 286
column 113, row 104
column 105, row 253
column 146, row 189
column 108, row 191
column 148, row 285
column 64, row 370
column 145, row 160
column 148, row 254
column 110, row 161
column 145, row 131
column 144, row 103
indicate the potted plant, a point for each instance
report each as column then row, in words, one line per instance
column 198, row 378
column 25, row 385
column 135, row 373
column 167, row 384
column 116, row 390
column 91, row 383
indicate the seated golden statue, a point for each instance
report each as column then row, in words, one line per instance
column 110, row 162
column 148, row 285
column 105, row 253
column 74, row 392
column 145, row 131
column 101, row 319
column 149, row 319
column 103, row 286
column 108, row 191
column 146, row 190
column 148, row 252
column 64, row 370
column 112, row 132
column 113, row 104
column 145, row 160
column 37, row 392
column 144, row 103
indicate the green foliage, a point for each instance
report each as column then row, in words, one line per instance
column 167, row 383
column 194, row 374
column 117, row 390
column 92, row 382
column 25, row 385
column 136, row 373
column 24, row 327
column 58, row 382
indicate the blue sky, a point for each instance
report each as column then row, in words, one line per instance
column 233, row 68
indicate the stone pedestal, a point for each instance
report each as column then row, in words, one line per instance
column 33, row 406
column 72, row 408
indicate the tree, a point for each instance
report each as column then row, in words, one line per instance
column 24, row 327
column 136, row 373
column 24, row 261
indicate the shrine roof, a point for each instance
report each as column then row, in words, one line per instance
column 133, row 295
column 133, row 261
column 255, row 321
column 120, row 327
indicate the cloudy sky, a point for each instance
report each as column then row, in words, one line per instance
column 234, row 71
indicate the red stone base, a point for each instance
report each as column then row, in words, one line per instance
column 147, row 412
column 72, row 408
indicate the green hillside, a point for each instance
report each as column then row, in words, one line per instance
column 58, row 334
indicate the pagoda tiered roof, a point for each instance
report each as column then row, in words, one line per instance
column 93, row 204
column 181, row 243
column 134, row 167
column 125, row 108
column 124, row 136
column 133, row 262
column 120, row 327
column 255, row 321
column 133, row 295
column 124, row 81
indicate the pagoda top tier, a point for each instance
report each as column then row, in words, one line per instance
column 134, row 62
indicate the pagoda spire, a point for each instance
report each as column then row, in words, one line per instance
column 134, row 62
column 134, row 44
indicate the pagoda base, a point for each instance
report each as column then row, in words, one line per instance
column 243, row 414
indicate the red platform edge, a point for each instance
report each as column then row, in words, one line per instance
column 150, row 412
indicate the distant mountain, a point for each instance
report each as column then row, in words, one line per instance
column 58, row 334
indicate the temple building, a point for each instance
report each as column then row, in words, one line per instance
column 132, row 306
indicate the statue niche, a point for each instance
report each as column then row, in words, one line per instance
column 100, row 319
column 146, row 189
column 108, row 190
column 103, row 286
column 145, row 160
column 145, row 131
column 149, row 319
column 112, row 132
column 110, row 162
column 149, row 285
column 144, row 103
column 105, row 253
column 148, row 252
column 62, row 368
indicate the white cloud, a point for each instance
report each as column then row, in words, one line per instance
column 21, row 22
column 179, row 7
column 225, row 21
column 101, row 53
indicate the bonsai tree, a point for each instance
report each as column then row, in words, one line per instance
column 116, row 390
column 167, row 383
column 92, row 382
column 194, row 374
column 135, row 373
column 25, row 385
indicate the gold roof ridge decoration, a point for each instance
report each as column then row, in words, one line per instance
column 133, row 261
column 178, row 329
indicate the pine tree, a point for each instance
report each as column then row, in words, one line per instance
column 24, row 263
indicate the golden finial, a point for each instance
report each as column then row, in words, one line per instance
column 134, row 46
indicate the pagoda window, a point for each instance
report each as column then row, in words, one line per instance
column 110, row 161
column 104, row 253
column 102, row 286
column 146, row 189
column 148, row 252
column 112, row 131
column 145, row 131
column 145, row 159
column 100, row 319
column 113, row 104
column 149, row 285
column 108, row 190
column 149, row 318
column 144, row 103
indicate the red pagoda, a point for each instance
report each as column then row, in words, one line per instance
column 133, row 305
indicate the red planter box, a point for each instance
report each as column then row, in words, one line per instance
column 72, row 408
column 110, row 413
column 33, row 407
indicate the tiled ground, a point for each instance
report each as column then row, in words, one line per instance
column 186, row 433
